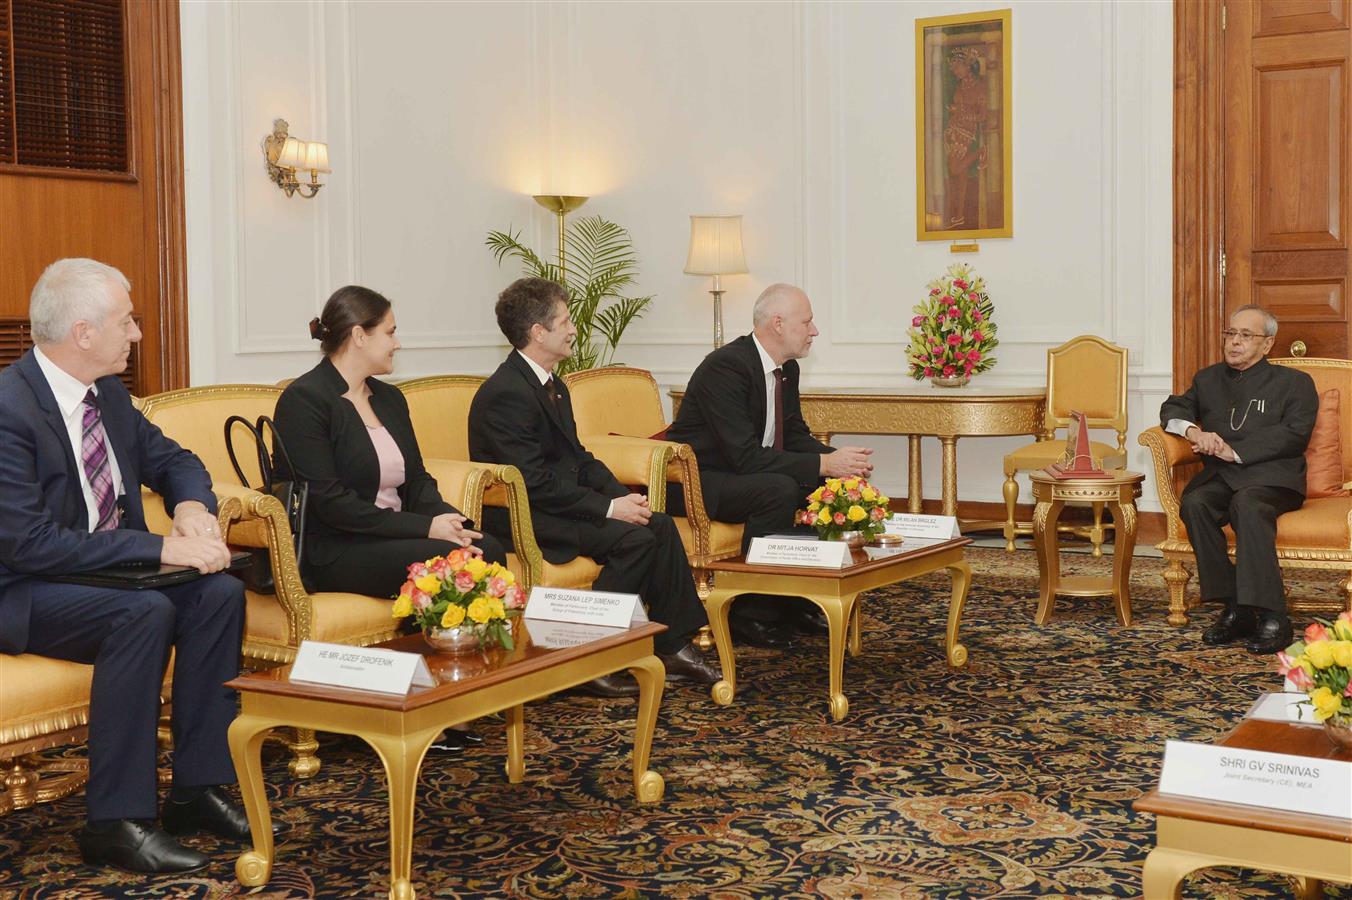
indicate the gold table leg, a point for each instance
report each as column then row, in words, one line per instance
column 716, row 607
column 915, row 492
column 402, row 757
column 837, row 610
column 1165, row 869
column 516, row 743
column 950, row 472
column 1124, row 542
column 855, row 638
column 1045, row 516
column 651, row 676
column 245, row 737
column 961, row 574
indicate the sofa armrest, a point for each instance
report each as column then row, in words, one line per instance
column 229, row 509
column 508, row 489
column 463, row 483
column 1169, row 453
column 635, row 460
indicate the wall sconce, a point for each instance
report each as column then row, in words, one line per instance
column 716, row 249
column 286, row 156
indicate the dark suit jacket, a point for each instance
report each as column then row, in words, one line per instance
column 723, row 414
column 1271, row 442
column 44, row 524
column 513, row 422
column 333, row 453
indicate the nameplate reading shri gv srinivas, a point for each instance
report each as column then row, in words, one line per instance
column 769, row 551
column 585, row 607
column 1306, row 784
column 362, row 668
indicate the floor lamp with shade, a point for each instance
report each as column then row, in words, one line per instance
column 716, row 249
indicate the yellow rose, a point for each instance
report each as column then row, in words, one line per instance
column 429, row 585
column 1342, row 653
column 856, row 513
column 479, row 610
column 1342, row 627
column 814, row 506
column 1320, row 654
column 882, row 499
column 824, row 517
column 869, row 494
column 1326, row 703
column 496, row 609
column 850, row 484
column 403, row 606
column 815, row 495
column 833, row 485
column 476, row 568
column 454, row 615
column 507, row 576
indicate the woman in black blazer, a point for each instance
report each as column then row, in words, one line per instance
column 373, row 508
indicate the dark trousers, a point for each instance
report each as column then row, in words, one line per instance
column 1254, row 578
column 127, row 635
column 378, row 566
column 649, row 561
column 764, row 503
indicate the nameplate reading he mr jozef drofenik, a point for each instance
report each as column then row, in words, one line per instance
column 363, row 668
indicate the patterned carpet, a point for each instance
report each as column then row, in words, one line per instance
column 1013, row 778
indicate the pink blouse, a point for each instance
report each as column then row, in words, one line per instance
column 391, row 468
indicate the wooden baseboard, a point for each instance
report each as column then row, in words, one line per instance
column 1150, row 526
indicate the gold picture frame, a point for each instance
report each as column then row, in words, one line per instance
column 964, row 160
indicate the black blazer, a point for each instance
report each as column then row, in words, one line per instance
column 44, row 524
column 723, row 415
column 513, row 422
column 1270, row 441
column 332, row 452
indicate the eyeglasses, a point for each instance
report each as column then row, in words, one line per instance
column 1230, row 334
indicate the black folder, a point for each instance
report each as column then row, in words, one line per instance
column 143, row 576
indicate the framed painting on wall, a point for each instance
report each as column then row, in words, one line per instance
column 963, row 127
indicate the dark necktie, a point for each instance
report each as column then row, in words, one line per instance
column 779, row 409
column 551, row 393
column 98, row 469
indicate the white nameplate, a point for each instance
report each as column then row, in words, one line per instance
column 1303, row 784
column 773, row 551
column 1285, row 707
column 557, row 635
column 915, row 525
column 363, row 668
column 585, row 607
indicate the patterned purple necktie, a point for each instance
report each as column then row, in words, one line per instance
column 99, row 471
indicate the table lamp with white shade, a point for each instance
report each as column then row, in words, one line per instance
column 716, row 249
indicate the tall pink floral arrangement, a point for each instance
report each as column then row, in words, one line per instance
column 952, row 332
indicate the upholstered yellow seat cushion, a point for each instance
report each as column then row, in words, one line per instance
column 579, row 572
column 724, row 539
column 1321, row 522
column 339, row 618
column 1043, row 453
column 39, row 695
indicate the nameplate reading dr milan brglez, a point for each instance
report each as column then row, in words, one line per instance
column 1304, row 784
column 363, row 668
column 915, row 525
column 585, row 607
column 769, row 551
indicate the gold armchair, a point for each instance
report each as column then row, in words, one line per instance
column 1089, row 375
column 1316, row 536
column 617, row 400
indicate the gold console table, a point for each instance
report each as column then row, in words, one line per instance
column 923, row 411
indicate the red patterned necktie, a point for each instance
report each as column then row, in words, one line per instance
column 99, row 471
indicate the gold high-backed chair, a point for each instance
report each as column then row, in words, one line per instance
column 439, row 407
column 618, row 400
column 1085, row 374
column 276, row 624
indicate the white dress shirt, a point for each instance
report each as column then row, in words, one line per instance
column 1180, row 427
column 768, row 365
column 70, row 394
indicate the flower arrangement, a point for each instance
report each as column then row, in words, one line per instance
column 1321, row 666
column 461, row 590
column 841, row 505
column 952, row 334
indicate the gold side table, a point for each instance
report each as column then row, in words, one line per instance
column 1118, row 492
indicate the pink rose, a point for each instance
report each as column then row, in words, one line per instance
column 977, row 316
column 1315, row 632
column 967, row 367
column 877, row 512
column 954, row 312
column 959, row 284
column 948, row 370
column 1301, row 679
column 463, row 581
column 1285, row 663
column 974, row 355
column 441, row 568
column 828, row 496
column 497, row 587
column 515, row 599
column 954, row 339
column 1347, row 691
column 839, row 518
column 420, row 600
column 416, row 570
column 853, row 495
column 934, row 292
column 928, row 372
column 978, row 336
column 917, row 321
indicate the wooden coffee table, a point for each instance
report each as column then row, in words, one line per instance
column 1193, row 834
column 401, row 728
column 836, row 592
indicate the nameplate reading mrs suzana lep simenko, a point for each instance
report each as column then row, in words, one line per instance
column 1304, row 784
column 585, row 607
column 769, row 551
column 363, row 668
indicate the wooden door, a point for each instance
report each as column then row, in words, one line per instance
column 1287, row 137
column 117, row 200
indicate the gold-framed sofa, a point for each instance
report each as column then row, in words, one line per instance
column 1316, row 536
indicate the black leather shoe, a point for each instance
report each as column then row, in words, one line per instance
column 1273, row 633
column 760, row 634
column 1233, row 624
column 453, row 740
column 137, row 846
column 613, row 685
column 688, row 664
column 811, row 621
column 212, row 810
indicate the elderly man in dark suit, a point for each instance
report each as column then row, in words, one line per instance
column 75, row 456
column 757, row 458
column 1250, row 422
column 523, row 416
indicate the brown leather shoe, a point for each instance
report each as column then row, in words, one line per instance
column 613, row 685
column 688, row 664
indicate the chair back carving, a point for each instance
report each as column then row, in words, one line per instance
column 1089, row 375
column 1328, row 374
column 616, row 400
column 439, row 408
column 195, row 417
